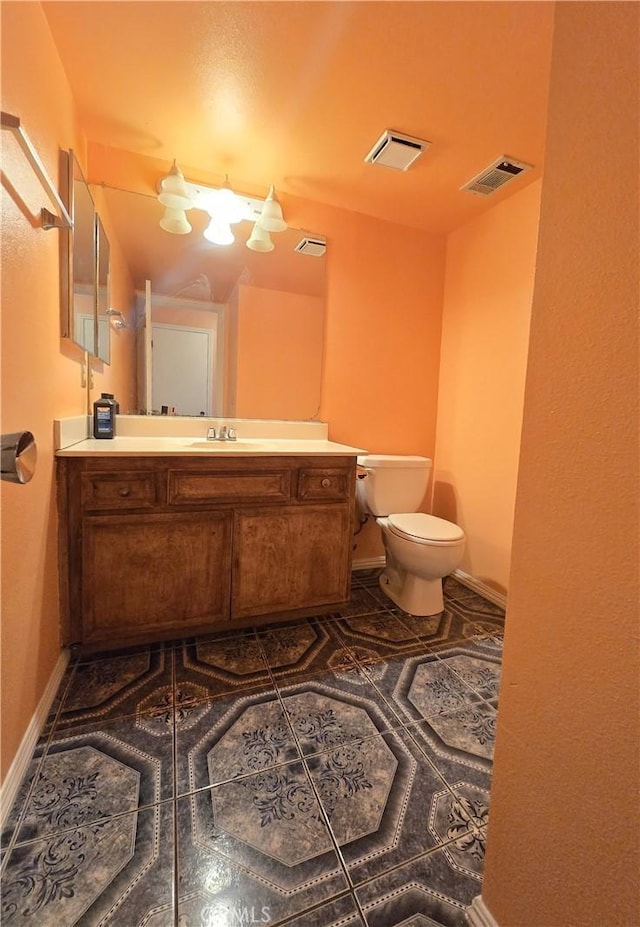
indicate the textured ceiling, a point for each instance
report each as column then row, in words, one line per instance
column 296, row 93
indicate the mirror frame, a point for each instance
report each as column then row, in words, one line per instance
column 70, row 173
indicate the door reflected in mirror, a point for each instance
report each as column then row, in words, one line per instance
column 245, row 327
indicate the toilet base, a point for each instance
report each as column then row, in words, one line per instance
column 412, row 594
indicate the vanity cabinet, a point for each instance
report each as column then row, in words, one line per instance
column 158, row 547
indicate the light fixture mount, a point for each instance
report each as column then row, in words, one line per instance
column 200, row 196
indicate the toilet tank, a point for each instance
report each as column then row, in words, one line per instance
column 393, row 483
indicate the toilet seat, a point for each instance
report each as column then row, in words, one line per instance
column 424, row 529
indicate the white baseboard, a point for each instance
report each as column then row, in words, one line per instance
column 21, row 761
column 370, row 563
column 479, row 915
column 466, row 579
column 481, row 588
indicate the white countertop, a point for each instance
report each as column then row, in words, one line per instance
column 136, row 446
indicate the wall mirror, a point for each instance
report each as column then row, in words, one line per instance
column 229, row 331
column 78, row 258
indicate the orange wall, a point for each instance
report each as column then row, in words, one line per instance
column 487, row 307
column 40, row 375
column 564, row 828
column 382, row 332
column 271, row 383
column 382, row 338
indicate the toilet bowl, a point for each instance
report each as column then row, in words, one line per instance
column 419, row 549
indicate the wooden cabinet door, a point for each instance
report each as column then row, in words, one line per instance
column 290, row 557
column 154, row 573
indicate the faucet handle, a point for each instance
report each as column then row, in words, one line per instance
column 232, row 434
column 211, row 433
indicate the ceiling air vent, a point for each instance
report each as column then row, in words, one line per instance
column 316, row 247
column 495, row 176
column 395, row 150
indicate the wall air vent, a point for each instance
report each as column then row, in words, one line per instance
column 316, row 247
column 495, row 176
column 395, row 150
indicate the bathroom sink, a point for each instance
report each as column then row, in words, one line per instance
column 227, row 445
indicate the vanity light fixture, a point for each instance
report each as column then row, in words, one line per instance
column 224, row 208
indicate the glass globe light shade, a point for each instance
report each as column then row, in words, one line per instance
column 219, row 232
column 271, row 218
column 175, row 221
column 259, row 240
column 173, row 190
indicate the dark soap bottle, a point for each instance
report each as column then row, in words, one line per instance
column 104, row 416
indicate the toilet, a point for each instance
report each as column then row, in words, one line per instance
column 420, row 549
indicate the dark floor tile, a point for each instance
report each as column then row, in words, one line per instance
column 304, row 648
column 424, row 685
column 57, row 700
column 367, row 577
column 469, row 601
column 327, row 712
column 87, row 776
column 103, row 689
column 379, row 796
column 114, row 872
column 460, row 747
column 490, row 636
column 342, row 912
column 14, row 815
column 441, row 630
column 258, row 843
column 362, row 601
column 231, row 737
column 111, row 653
column 218, row 666
column 466, row 734
column 433, row 890
column 477, row 664
column 376, row 636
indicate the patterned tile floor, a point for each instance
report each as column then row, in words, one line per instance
column 332, row 771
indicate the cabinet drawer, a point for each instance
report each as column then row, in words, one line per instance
column 328, row 484
column 121, row 490
column 187, row 487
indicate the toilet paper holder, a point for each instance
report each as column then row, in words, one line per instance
column 18, row 454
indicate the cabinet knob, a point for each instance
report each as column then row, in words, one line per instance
column 325, row 482
column 125, row 492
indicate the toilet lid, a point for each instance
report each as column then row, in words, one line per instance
column 426, row 527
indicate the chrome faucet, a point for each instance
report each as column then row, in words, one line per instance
column 226, row 433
